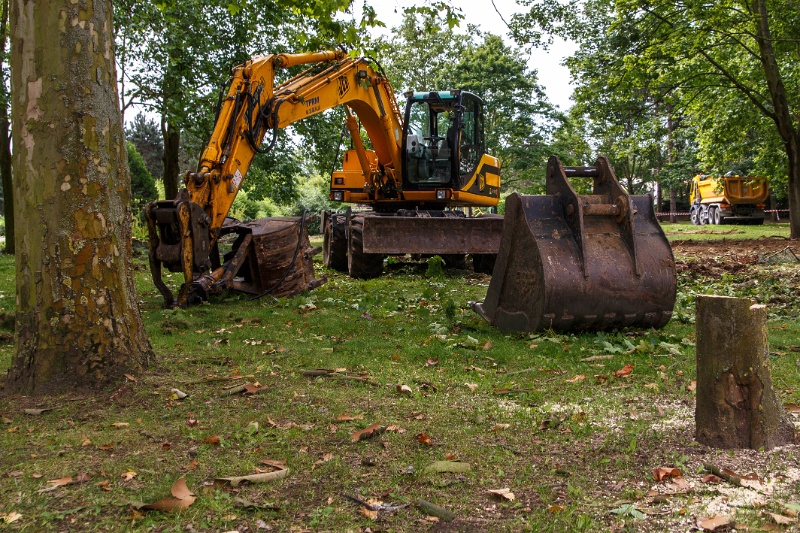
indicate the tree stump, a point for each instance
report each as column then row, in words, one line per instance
column 736, row 404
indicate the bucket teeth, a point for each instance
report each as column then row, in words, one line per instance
column 580, row 262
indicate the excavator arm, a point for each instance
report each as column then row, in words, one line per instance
column 184, row 232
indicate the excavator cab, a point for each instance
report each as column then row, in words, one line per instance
column 442, row 139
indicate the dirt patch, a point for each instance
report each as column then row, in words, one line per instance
column 732, row 256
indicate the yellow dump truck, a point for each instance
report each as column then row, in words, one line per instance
column 728, row 199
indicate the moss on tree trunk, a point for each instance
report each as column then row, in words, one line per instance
column 78, row 323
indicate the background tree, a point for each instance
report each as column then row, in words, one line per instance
column 143, row 187
column 77, row 321
column 145, row 135
column 725, row 70
column 5, row 134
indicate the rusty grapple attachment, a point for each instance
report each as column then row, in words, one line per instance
column 268, row 255
column 571, row 261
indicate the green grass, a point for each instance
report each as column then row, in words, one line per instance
column 543, row 415
column 690, row 232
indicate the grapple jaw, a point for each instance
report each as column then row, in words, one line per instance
column 269, row 255
column 580, row 262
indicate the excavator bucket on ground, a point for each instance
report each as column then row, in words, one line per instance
column 571, row 261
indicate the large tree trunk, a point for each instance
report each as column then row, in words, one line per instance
column 172, row 147
column 782, row 115
column 5, row 142
column 736, row 404
column 77, row 319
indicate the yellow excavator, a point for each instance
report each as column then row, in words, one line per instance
column 564, row 261
column 421, row 169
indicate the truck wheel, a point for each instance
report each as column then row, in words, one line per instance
column 334, row 243
column 693, row 216
column 702, row 217
column 717, row 217
column 359, row 264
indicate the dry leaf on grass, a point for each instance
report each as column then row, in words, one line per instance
column 576, row 379
column 471, row 386
column 404, row 389
column 424, row 438
column 36, row 412
column 254, row 478
column 367, row 432
column 624, row 371
column 503, row 493
column 710, row 524
column 8, row 518
column 181, row 499
column 348, row 418
column 129, row 475
column 55, row 483
column 120, row 425
column 212, row 439
column 663, row 473
column 782, row 520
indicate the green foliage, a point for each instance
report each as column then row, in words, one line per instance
column 145, row 134
column 143, row 187
column 435, row 267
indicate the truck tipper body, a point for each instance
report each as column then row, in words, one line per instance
column 728, row 199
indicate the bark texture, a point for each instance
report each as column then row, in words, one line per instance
column 78, row 323
column 736, row 404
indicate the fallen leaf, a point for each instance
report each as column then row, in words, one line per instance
column 129, row 475
column 488, row 345
column 792, row 408
column 395, row 429
column 366, row 433
column 711, row 478
column 576, row 379
column 503, row 493
column 691, row 386
column 36, row 412
column 348, row 418
column 55, row 483
column 212, row 439
column 624, row 371
column 431, row 362
column 500, row 427
column 710, row 524
column 177, row 394
column 131, row 378
column 120, row 425
column 191, row 422
column 181, row 499
column 424, row 438
column 782, row 520
column 662, row 473
column 369, row 513
column 556, row 508
column 8, row 518
column 471, row 386
column 404, row 389
column 105, row 485
column 600, row 378
column 253, row 478
column 325, row 458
